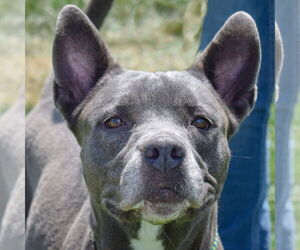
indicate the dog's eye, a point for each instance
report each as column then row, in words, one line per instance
column 114, row 122
column 201, row 123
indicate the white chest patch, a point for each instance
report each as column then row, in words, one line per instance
column 147, row 237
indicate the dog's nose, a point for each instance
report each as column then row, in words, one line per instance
column 164, row 156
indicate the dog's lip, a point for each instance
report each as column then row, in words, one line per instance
column 164, row 195
column 162, row 213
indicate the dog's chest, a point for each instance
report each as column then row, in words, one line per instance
column 147, row 238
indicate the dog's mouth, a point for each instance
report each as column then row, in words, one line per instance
column 164, row 195
column 159, row 201
column 160, row 206
column 162, row 213
column 160, row 197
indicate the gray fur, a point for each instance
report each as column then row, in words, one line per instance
column 12, row 234
column 12, row 153
column 95, row 182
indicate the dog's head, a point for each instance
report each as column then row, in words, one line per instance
column 154, row 145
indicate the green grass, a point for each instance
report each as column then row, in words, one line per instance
column 271, row 195
column 3, row 108
column 146, row 35
column 296, row 158
column 11, row 50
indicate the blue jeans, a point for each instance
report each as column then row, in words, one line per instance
column 244, row 221
column 288, row 19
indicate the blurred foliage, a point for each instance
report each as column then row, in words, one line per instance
column 12, row 17
column 144, row 35
column 271, row 157
column 296, row 172
column 41, row 14
column 11, row 50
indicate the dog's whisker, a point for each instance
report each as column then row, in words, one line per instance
column 241, row 156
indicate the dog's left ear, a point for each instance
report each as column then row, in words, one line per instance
column 80, row 60
column 231, row 63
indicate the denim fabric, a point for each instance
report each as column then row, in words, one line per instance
column 288, row 19
column 243, row 209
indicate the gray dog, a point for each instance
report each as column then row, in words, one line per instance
column 148, row 154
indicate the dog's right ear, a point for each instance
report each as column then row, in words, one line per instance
column 231, row 63
column 80, row 59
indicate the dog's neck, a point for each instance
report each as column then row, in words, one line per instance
column 199, row 233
